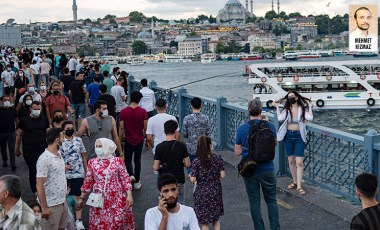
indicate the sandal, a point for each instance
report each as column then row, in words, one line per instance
column 293, row 185
column 301, row 191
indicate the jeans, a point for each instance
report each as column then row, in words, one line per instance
column 80, row 110
column 10, row 140
column 45, row 78
column 36, row 79
column 129, row 150
column 31, row 160
column 267, row 181
column 294, row 145
column 192, row 158
column 57, row 71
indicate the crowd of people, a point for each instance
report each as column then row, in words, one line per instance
column 43, row 118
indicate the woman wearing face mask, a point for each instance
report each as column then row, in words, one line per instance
column 117, row 211
column 28, row 73
column 293, row 131
column 57, row 119
column 25, row 109
column 21, row 84
column 44, row 94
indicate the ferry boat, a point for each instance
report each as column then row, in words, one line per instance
column 308, row 54
column 291, row 55
column 170, row 58
column 251, row 56
column 208, row 58
column 365, row 54
column 137, row 61
column 353, row 84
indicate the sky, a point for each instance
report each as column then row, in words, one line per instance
column 25, row 11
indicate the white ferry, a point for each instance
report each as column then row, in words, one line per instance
column 353, row 84
column 169, row 58
column 208, row 58
column 309, row 54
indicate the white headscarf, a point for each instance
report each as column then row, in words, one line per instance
column 109, row 147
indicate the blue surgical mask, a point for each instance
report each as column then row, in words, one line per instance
column 100, row 152
column 31, row 89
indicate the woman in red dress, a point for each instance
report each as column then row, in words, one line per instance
column 117, row 211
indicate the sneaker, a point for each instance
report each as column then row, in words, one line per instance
column 133, row 179
column 5, row 164
column 137, row 185
column 79, row 225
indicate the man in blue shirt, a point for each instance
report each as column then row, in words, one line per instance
column 264, row 176
column 93, row 93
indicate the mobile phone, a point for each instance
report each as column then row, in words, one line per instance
column 263, row 114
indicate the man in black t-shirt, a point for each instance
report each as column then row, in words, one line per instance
column 171, row 156
column 8, row 116
column 77, row 91
column 111, row 103
column 366, row 190
column 32, row 132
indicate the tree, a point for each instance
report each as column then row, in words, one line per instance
column 220, row 48
column 112, row 21
column 283, row 15
column 139, row 47
column 258, row 49
column 246, row 48
column 173, row 44
column 87, row 20
column 270, row 15
column 295, row 15
column 299, row 47
column 278, row 30
column 192, row 34
column 202, row 17
column 136, row 17
column 250, row 19
column 109, row 16
column 211, row 19
column 233, row 47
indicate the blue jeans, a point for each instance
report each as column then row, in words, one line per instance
column 36, row 80
column 267, row 181
column 80, row 110
column 294, row 145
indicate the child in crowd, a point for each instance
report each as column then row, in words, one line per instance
column 36, row 207
column 71, row 203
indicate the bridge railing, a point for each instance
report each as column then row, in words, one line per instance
column 333, row 158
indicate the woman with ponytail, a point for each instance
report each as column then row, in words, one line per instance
column 297, row 111
column 207, row 169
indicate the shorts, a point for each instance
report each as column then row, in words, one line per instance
column 80, row 110
column 57, row 218
column 294, row 145
column 9, row 90
column 75, row 185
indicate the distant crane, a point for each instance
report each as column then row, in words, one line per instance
column 328, row 4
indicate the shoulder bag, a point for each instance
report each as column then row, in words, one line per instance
column 96, row 199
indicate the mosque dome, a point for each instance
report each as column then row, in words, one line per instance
column 233, row 10
column 144, row 35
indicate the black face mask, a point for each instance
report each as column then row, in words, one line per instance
column 292, row 100
column 57, row 119
column 55, row 92
column 69, row 132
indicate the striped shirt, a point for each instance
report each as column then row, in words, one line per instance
column 367, row 219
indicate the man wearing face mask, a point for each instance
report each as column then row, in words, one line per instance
column 8, row 117
column 8, row 78
column 57, row 101
column 32, row 132
column 51, row 183
column 99, row 125
column 169, row 214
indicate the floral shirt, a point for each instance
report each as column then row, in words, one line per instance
column 194, row 126
column 71, row 153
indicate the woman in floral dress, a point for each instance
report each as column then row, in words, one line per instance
column 117, row 211
column 207, row 169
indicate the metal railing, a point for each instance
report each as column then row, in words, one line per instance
column 333, row 158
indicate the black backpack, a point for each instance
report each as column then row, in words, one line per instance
column 261, row 142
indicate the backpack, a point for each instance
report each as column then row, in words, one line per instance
column 261, row 142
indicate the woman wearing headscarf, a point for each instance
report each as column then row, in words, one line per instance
column 117, row 211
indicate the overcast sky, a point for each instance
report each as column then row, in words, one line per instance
column 55, row 10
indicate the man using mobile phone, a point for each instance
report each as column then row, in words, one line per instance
column 170, row 215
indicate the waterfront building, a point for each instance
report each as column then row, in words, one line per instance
column 193, row 46
column 233, row 11
column 265, row 40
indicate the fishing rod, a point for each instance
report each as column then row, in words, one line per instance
column 204, row 79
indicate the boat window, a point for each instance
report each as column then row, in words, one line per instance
column 263, row 89
column 318, row 71
column 375, row 84
column 323, row 87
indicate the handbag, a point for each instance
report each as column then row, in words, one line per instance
column 96, row 199
column 247, row 166
column 22, row 90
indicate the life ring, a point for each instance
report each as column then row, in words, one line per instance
column 269, row 104
column 296, row 78
column 371, row 101
column 362, row 76
column 378, row 75
column 280, row 78
column 328, row 77
column 320, row 103
column 263, row 79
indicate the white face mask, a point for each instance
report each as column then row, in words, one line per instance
column 38, row 217
column 100, row 152
column 105, row 113
column 28, row 102
column 7, row 104
column 31, row 89
column 43, row 87
column 35, row 112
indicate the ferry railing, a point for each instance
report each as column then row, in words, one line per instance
column 333, row 158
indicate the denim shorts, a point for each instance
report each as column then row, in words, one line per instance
column 80, row 110
column 294, row 145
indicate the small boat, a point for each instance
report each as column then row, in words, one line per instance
column 252, row 56
column 291, row 55
column 170, row 58
column 365, row 54
column 208, row 58
column 137, row 61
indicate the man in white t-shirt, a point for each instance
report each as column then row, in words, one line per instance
column 51, row 183
column 155, row 131
column 117, row 91
column 148, row 100
column 169, row 214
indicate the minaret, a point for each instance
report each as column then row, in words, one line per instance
column 252, row 7
column 272, row 6
column 246, row 4
column 75, row 9
column 152, row 29
column 278, row 6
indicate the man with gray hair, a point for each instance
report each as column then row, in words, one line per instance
column 264, row 175
column 14, row 213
